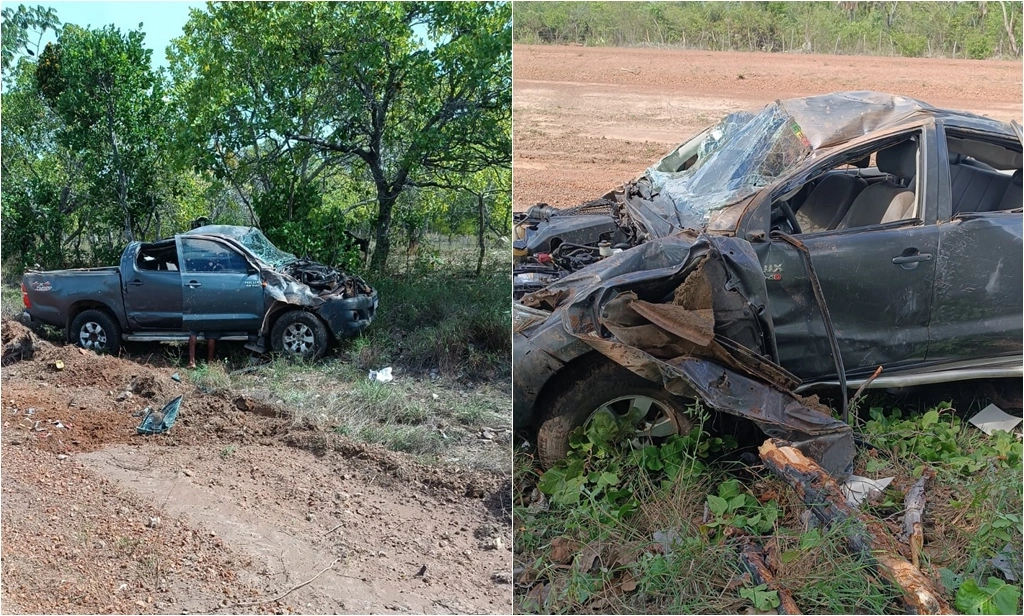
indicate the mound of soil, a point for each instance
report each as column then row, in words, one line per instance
column 230, row 508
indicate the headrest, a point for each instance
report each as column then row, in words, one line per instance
column 1016, row 179
column 899, row 160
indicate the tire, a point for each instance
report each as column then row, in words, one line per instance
column 607, row 386
column 300, row 334
column 96, row 330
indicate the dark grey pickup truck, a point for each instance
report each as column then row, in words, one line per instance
column 216, row 280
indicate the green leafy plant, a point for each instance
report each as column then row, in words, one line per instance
column 995, row 597
column 608, row 467
column 733, row 507
column 938, row 437
column 762, row 598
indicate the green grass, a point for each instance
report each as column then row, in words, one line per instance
column 456, row 325
column 10, row 301
column 973, row 510
column 438, row 420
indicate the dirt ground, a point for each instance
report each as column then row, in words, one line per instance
column 228, row 511
column 587, row 119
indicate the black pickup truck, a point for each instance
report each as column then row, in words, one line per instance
column 228, row 281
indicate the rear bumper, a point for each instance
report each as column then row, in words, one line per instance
column 26, row 319
column 347, row 317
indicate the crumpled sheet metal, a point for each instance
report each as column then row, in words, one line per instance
column 725, row 376
column 831, row 119
column 283, row 288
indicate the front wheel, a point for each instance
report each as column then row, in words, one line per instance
column 300, row 334
column 608, row 388
column 97, row 331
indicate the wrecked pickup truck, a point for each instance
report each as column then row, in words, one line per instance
column 824, row 243
column 216, row 279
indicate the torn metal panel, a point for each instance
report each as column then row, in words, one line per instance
column 681, row 328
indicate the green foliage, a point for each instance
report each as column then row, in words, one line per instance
column 762, row 598
column 996, row 597
column 323, row 123
column 610, row 471
column 281, row 99
column 945, row 29
column 18, row 27
column 432, row 320
column 735, row 507
column 939, row 437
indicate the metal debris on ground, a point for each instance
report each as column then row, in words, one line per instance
column 992, row 418
column 158, row 422
column 176, row 377
column 1007, row 562
column 382, row 376
column 857, row 489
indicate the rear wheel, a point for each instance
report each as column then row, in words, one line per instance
column 97, row 331
column 611, row 390
column 300, row 334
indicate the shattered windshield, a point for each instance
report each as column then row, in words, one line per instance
column 726, row 164
column 260, row 246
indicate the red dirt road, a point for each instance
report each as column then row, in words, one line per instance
column 587, row 119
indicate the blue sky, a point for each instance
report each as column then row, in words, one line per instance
column 161, row 21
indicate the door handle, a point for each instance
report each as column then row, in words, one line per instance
column 136, row 283
column 192, row 284
column 924, row 256
column 910, row 258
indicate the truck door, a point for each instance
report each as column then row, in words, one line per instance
column 221, row 291
column 151, row 286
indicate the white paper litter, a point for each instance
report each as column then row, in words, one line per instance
column 992, row 418
column 856, row 489
column 382, row 376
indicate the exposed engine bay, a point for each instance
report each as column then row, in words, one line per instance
column 326, row 280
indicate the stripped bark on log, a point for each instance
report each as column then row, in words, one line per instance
column 913, row 529
column 753, row 561
column 820, row 492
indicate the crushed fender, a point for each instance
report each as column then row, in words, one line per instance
column 687, row 311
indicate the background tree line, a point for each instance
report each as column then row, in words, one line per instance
column 322, row 123
column 975, row 30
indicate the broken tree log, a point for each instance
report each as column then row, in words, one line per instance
column 820, row 492
column 753, row 561
column 913, row 530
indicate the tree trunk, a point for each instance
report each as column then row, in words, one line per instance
column 480, row 233
column 382, row 246
column 1008, row 24
column 122, row 180
column 822, row 495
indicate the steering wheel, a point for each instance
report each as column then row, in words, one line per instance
column 790, row 217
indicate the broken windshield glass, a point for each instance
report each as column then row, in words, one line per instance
column 735, row 159
column 260, row 246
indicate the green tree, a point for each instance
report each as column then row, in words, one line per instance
column 22, row 32
column 100, row 85
column 283, row 95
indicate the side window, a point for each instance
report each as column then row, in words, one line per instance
column 984, row 174
column 871, row 186
column 157, row 257
column 208, row 256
